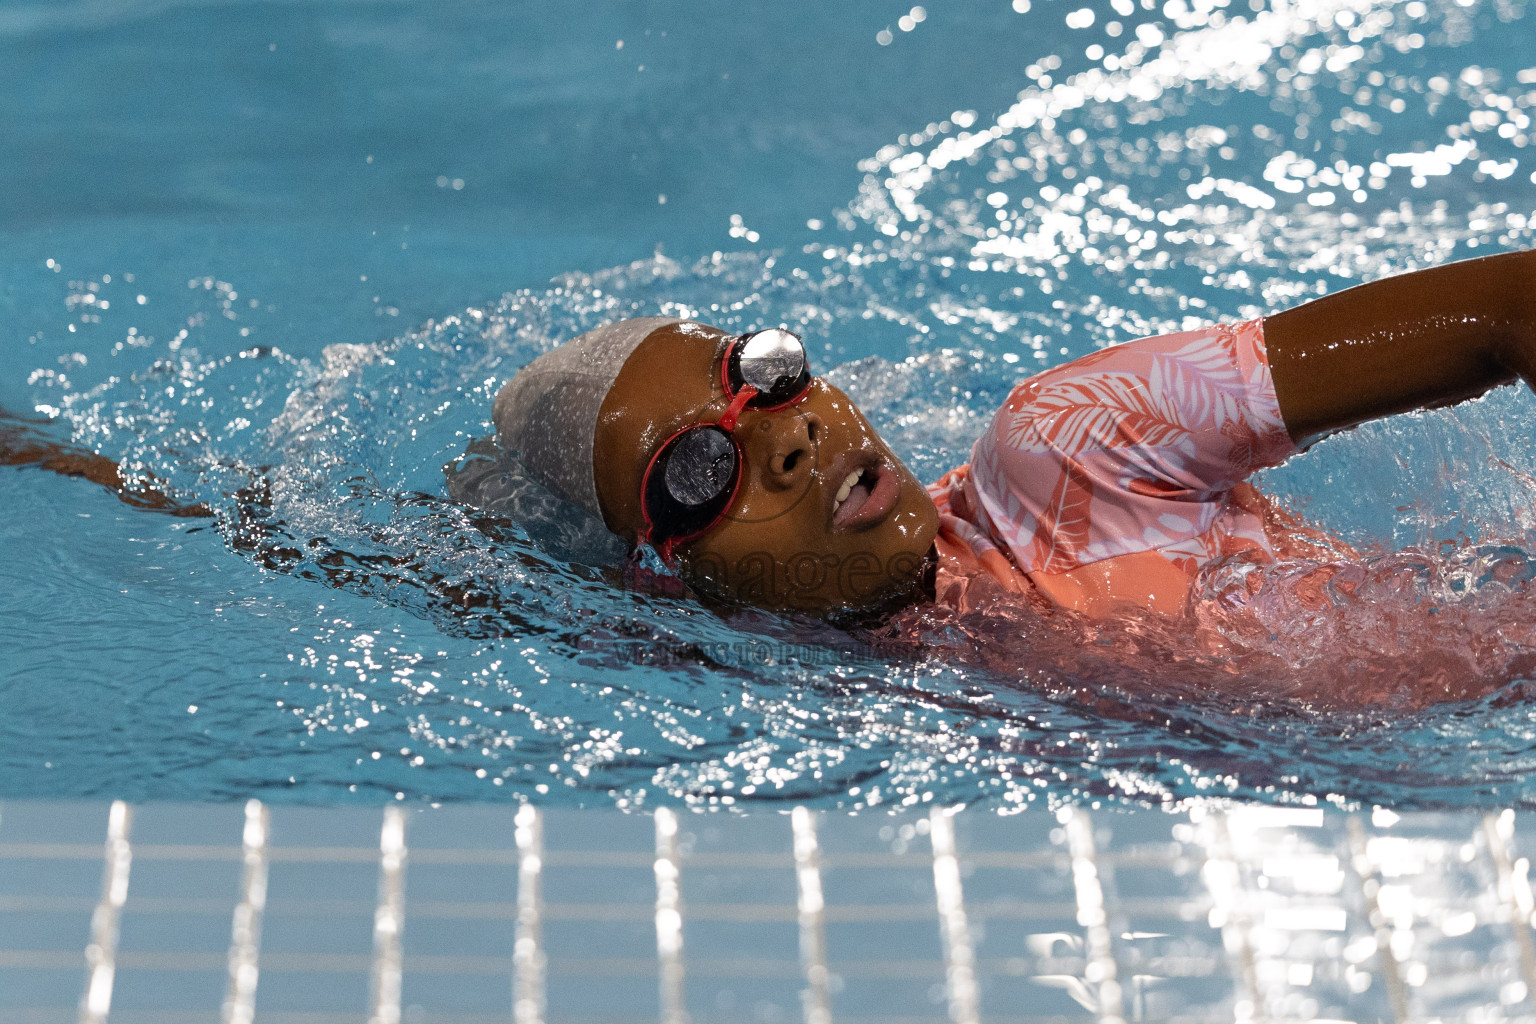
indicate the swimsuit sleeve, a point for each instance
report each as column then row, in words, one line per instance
column 1135, row 448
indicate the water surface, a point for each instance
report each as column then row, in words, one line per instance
column 281, row 257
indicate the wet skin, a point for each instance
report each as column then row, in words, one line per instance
column 1429, row 338
column 780, row 545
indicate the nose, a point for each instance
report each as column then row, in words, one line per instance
column 784, row 445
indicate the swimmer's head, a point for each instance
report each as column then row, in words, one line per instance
column 799, row 504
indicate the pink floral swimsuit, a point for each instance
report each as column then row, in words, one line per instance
column 1114, row 478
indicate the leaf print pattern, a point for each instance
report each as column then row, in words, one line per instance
column 1063, row 530
column 1106, row 410
column 1132, row 449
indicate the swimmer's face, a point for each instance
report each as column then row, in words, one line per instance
column 788, row 539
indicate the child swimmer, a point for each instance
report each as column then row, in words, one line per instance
column 1103, row 485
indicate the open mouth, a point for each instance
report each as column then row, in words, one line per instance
column 865, row 496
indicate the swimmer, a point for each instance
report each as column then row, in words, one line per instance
column 1103, row 485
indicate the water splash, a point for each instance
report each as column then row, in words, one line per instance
column 1217, row 166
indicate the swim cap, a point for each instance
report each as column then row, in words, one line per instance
column 547, row 413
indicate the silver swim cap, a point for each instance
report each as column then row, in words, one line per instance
column 547, row 413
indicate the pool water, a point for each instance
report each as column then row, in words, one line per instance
column 281, row 256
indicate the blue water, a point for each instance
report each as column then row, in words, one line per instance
column 280, row 256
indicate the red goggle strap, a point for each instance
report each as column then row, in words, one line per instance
column 665, row 552
column 727, row 421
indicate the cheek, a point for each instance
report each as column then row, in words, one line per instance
column 922, row 520
column 769, row 513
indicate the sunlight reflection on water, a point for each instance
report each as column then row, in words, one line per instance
column 1207, row 163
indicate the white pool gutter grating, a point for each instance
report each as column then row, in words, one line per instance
column 389, row 921
column 1514, row 889
column 245, row 930
column 528, row 992
column 1220, row 914
column 1231, row 914
column 1391, row 971
column 101, row 954
column 959, row 953
column 669, row 919
column 810, row 908
column 1101, row 972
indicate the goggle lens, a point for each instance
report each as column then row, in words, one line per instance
column 772, row 361
column 691, row 483
column 699, row 466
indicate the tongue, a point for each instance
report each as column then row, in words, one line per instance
column 855, row 501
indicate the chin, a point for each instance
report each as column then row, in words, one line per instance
column 874, row 612
column 867, row 593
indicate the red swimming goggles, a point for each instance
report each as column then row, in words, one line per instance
column 692, row 479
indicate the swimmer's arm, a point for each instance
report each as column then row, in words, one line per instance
column 23, row 445
column 1427, row 338
column 254, row 530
